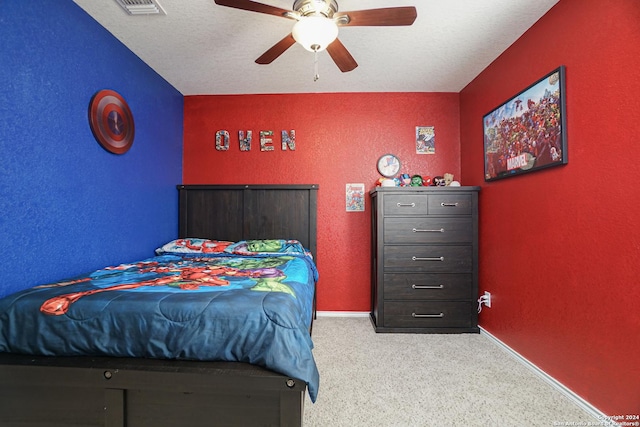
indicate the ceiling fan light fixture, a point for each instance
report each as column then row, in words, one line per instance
column 315, row 32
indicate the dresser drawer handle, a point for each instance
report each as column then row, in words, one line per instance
column 415, row 258
column 414, row 286
column 420, row 230
column 406, row 205
column 427, row 315
column 449, row 205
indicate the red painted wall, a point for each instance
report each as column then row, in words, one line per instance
column 560, row 248
column 339, row 138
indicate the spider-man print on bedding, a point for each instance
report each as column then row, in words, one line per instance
column 254, row 308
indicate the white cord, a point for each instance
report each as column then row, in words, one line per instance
column 481, row 300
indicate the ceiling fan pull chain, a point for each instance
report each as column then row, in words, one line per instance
column 316, row 76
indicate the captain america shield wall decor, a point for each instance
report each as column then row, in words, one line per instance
column 111, row 121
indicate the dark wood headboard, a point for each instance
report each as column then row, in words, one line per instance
column 243, row 212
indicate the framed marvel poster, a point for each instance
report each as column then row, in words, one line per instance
column 528, row 132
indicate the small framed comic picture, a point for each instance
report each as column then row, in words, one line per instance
column 355, row 197
column 425, row 140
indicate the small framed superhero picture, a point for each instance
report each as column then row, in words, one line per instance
column 355, row 197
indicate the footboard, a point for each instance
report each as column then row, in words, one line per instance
column 83, row 391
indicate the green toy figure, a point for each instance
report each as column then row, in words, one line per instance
column 416, row 181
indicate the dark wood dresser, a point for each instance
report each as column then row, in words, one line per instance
column 424, row 259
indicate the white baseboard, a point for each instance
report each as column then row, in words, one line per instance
column 579, row 401
column 342, row 314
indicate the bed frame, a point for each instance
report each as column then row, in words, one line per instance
column 105, row 391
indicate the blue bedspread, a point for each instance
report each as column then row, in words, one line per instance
column 218, row 307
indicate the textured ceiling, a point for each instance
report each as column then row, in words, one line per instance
column 202, row 48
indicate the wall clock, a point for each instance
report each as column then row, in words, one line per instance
column 111, row 121
column 388, row 165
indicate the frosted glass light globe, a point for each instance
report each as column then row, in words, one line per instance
column 315, row 32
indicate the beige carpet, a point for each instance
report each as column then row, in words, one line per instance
column 369, row 379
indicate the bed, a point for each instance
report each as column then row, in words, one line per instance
column 256, row 241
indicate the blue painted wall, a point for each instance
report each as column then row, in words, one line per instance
column 68, row 206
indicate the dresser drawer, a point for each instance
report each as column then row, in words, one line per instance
column 434, row 258
column 428, row 314
column 405, row 204
column 450, row 204
column 428, row 230
column 415, row 286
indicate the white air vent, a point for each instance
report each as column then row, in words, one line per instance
column 141, row 7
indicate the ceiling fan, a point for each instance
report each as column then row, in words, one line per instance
column 317, row 25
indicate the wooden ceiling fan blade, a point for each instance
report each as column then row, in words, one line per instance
column 276, row 50
column 254, row 6
column 341, row 56
column 389, row 16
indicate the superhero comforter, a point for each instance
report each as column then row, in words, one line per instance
column 197, row 299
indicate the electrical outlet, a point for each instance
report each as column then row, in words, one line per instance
column 487, row 299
